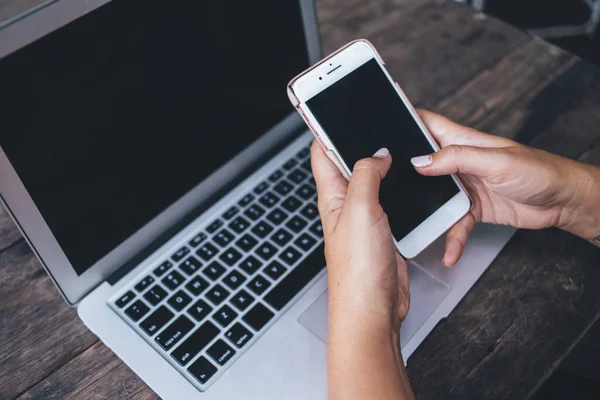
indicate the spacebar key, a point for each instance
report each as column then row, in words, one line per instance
column 308, row 268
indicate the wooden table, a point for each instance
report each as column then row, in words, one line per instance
column 518, row 322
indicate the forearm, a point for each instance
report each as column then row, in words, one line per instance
column 364, row 362
column 581, row 215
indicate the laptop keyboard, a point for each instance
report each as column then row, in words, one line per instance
column 222, row 288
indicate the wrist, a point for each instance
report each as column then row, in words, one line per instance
column 580, row 215
column 362, row 314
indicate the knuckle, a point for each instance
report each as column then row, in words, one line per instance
column 455, row 150
column 364, row 164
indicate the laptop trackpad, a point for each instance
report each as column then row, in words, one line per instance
column 427, row 292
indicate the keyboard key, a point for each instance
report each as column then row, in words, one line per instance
column 156, row 320
column 262, row 229
column 302, row 154
column 137, row 310
column 306, row 165
column 269, row 200
column 179, row 254
column 190, row 265
column 162, row 268
column 234, row 280
column 179, row 300
column 305, row 242
column 214, row 270
column 296, row 224
column 254, row 212
column 250, row 265
column 238, row 335
column 174, row 332
column 239, row 224
column 125, row 299
column 297, row 176
column 220, row 352
column 144, row 283
column 217, row 294
column 212, row 228
column 258, row 285
column 197, row 341
column 172, row 280
column 246, row 242
column 202, row 370
column 258, row 316
column 230, row 256
column 291, row 203
column 261, row 188
column 200, row 310
column 310, row 211
column 266, row 251
column 283, row 187
column 155, row 295
column 197, row 285
column 297, row 279
column 274, row 270
column 242, row 300
column 247, row 199
column 317, row 229
column 290, row 164
column 223, row 238
column 231, row 212
column 276, row 175
column 281, row 237
column 305, row 191
column 277, row 216
column 207, row 251
column 225, row 316
column 290, row 255
column 199, row 238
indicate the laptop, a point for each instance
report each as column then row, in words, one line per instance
column 177, row 216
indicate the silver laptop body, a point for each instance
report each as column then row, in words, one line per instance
column 179, row 217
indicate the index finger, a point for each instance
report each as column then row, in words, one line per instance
column 447, row 132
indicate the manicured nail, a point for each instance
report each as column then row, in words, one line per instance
column 382, row 153
column 421, row 161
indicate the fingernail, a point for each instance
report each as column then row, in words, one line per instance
column 421, row 161
column 382, row 153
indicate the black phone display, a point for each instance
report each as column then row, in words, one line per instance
column 362, row 113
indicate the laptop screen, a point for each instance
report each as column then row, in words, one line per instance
column 113, row 117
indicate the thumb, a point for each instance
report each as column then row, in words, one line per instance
column 459, row 159
column 366, row 178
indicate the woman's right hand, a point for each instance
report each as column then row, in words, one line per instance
column 511, row 184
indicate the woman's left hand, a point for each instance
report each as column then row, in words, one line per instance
column 368, row 281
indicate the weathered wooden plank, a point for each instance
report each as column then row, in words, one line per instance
column 431, row 48
column 39, row 331
column 507, row 88
column 9, row 234
column 95, row 374
column 511, row 329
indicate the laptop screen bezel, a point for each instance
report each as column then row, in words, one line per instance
column 27, row 28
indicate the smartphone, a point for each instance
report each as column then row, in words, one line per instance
column 354, row 107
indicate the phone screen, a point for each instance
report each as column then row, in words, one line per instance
column 362, row 113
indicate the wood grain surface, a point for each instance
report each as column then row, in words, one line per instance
column 518, row 322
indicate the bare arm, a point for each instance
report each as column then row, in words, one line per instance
column 581, row 214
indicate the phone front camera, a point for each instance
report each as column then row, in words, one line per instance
column 320, row 78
